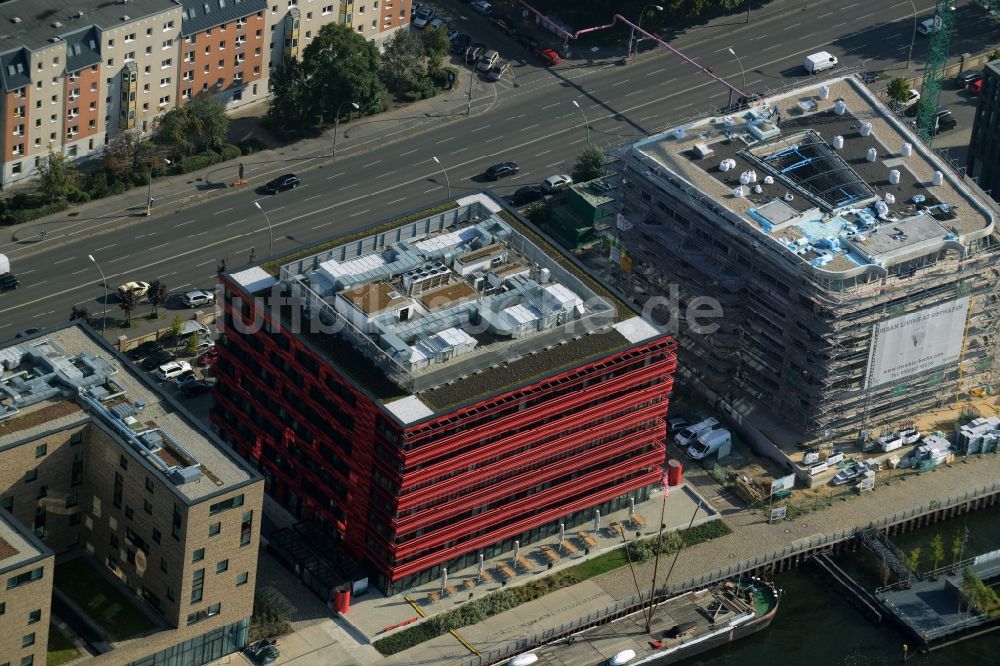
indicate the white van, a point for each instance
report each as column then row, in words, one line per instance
column 685, row 437
column 710, row 443
column 820, row 62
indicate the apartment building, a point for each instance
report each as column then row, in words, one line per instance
column 441, row 390
column 26, row 573
column 855, row 272
column 97, row 462
column 983, row 161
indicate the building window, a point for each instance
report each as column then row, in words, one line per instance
column 175, row 530
column 214, row 529
column 74, row 518
column 3, row 607
column 43, row 491
column 222, row 567
column 75, row 438
column 123, row 462
column 231, row 503
column 28, row 660
column 149, row 484
column 41, row 449
column 116, row 499
column 242, row 578
column 28, row 640
column 197, row 585
column 157, row 536
column 25, row 578
column 35, row 616
column 129, row 513
column 198, row 555
column 246, row 528
column 7, row 503
column 147, row 506
column 31, row 475
column 163, row 564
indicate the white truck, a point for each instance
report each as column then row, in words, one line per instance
column 820, row 62
column 685, row 437
column 8, row 280
column 929, row 26
column 710, row 443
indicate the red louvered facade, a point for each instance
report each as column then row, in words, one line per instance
column 409, row 499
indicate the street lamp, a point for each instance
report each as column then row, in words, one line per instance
column 743, row 74
column 585, row 121
column 270, row 233
column 336, row 124
column 149, row 187
column 913, row 39
column 445, row 172
column 635, row 42
column 104, row 321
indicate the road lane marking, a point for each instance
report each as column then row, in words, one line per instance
column 433, row 188
column 516, row 117
column 634, row 92
column 825, row 15
column 544, row 152
column 365, row 166
column 97, row 250
column 477, row 129
column 396, row 201
column 771, row 48
column 409, row 152
column 44, row 314
column 157, row 247
column 205, row 263
column 335, row 175
column 315, row 196
column 360, row 212
column 62, row 261
column 549, row 106
column 320, row 226
column 618, row 83
column 450, row 138
column 144, row 235
column 200, row 234
column 456, row 152
column 573, row 143
column 82, row 270
column 184, row 223
column 347, row 187
column 549, row 166
column 224, row 210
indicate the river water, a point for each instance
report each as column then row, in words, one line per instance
column 817, row 627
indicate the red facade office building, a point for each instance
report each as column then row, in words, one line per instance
column 441, row 388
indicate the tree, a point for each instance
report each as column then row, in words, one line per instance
column 937, row 549
column 898, row 89
column 956, row 550
column 157, row 294
column 342, row 66
column 192, row 344
column 435, row 47
column 127, row 301
column 128, row 157
column 590, row 164
column 208, row 120
column 175, row 329
column 56, row 176
column 402, row 61
column 173, row 132
column 913, row 559
column 289, row 95
column 81, row 313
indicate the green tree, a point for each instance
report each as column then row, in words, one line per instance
column 956, row 550
column 127, row 301
column 898, row 89
column 289, row 95
column 173, row 132
column 128, row 157
column 192, row 344
column 175, row 327
column 157, row 295
column 913, row 559
column 402, row 61
column 589, row 165
column 81, row 313
column 937, row 549
column 435, row 47
column 341, row 66
column 56, row 176
column 208, row 120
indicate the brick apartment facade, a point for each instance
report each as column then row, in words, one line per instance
column 72, row 77
column 26, row 574
column 184, row 546
column 478, row 463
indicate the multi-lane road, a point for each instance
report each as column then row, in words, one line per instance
column 534, row 123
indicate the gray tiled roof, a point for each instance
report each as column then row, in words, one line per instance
column 200, row 15
column 34, row 23
column 14, row 70
column 83, row 49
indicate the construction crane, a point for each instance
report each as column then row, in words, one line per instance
column 937, row 62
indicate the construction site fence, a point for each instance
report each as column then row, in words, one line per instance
column 635, row 603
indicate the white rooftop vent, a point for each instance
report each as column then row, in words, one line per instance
column 840, row 107
column 838, row 142
column 889, row 198
column 739, row 192
column 126, row 17
column 788, row 197
column 824, row 92
column 745, row 178
column 15, row 19
column 768, row 180
column 872, row 155
column 938, row 178
column 724, row 166
column 881, row 208
column 679, row 133
column 906, row 150
column 757, row 189
column 866, row 129
column 894, row 177
column 56, row 24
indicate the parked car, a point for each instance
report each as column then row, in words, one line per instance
column 263, row 653
column 482, row 7
column 474, row 51
column 197, row 298
column 171, row 370
column 438, row 22
column 964, row 79
column 502, row 170
column 28, row 332
column 157, row 359
column 208, row 358
column 525, row 195
column 204, row 344
column 497, row 71
column 460, row 43
column 487, row 60
column 503, row 25
column 144, row 349
column 197, row 387
column 944, row 121
column 184, row 378
column 140, row 289
column 849, row 473
column 8, row 282
column 678, row 423
column 422, row 17
column 287, row 182
column 548, row 56
column 556, row 183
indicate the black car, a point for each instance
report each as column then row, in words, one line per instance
column 196, row 388
column 944, row 121
column 460, row 43
column 145, row 349
column 502, row 170
column 287, row 182
column 8, row 281
column 158, row 359
column 474, row 51
column 525, row 195
column 964, row 79
column 28, row 332
column 503, row 25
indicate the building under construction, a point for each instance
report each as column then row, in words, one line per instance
column 856, row 273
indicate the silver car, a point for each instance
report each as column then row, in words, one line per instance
column 198, row 297
column 487, row 61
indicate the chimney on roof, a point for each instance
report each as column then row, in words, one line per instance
column 15, row 19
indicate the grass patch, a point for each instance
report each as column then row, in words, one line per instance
column 481, row 609
column 60, row 649
column 103, row 602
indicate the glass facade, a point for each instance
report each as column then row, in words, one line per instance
column 199, row 650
